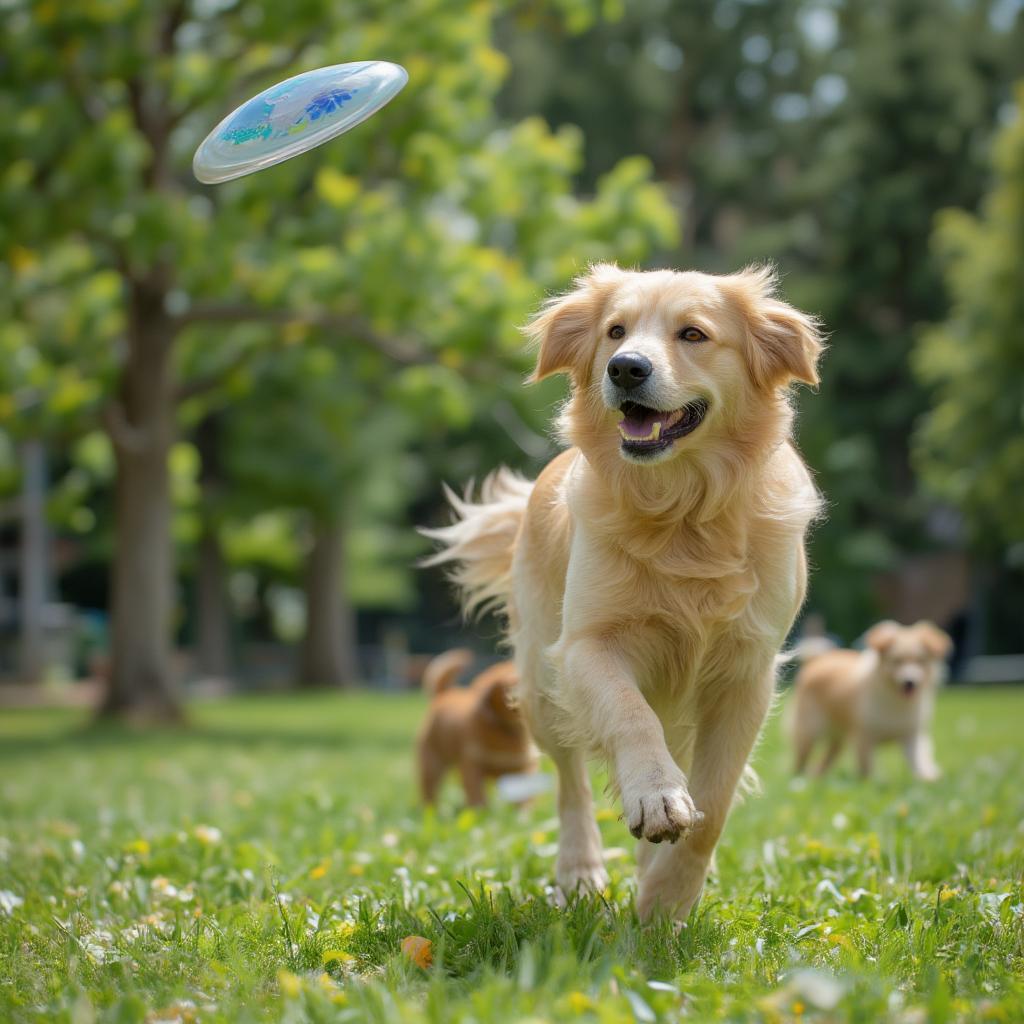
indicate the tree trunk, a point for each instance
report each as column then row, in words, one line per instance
column 34, row 567
column 328, row 647
column 213, row 621
column 142, row 686
column 213, row 646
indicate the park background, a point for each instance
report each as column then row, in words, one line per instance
column 224, row 409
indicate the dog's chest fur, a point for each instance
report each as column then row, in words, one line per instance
column 682, row 601
column 887, row 715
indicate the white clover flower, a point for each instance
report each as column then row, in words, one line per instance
column 9, row 902
column 208, row 835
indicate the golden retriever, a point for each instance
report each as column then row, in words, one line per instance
column 653, row 570
column 883, row 693
column 477, row 728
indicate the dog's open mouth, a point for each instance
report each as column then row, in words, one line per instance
column 645, row 430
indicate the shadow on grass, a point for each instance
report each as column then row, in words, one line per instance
column 299, row 723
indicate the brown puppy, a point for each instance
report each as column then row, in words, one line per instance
column 653, row 570
column 884, row 693
column 478, row 728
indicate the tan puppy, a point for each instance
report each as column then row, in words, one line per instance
column 652, row 571
column 476, row 728
column 885, row 692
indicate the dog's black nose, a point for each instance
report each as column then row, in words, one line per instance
column 629, row 369
column 909, row 686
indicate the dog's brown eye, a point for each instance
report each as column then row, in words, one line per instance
column 692, row 334
column 616, row 332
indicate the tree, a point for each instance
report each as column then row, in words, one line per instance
column 213, row 620
column 970, row 444
column 824, row 137
column 105, row 105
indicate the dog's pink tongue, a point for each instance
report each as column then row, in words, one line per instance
column 639, row 425
column 647, row 424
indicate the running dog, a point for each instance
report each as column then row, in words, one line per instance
column 883, row 693
column 477, row 728
column 653, row 570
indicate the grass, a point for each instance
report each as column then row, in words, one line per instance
column 266, row 865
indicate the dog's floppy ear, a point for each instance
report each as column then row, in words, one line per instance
column 784, row 344
column 501, row 697
column 881, row 635
column 936, row 641
column 563, row 328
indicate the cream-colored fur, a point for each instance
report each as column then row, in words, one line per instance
column 648, row 593
column 881, row 694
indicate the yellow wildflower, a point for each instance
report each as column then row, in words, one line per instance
column 290, row 984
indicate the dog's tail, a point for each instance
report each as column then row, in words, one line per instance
column 442, row 671
column 480, row 542
column 806, row 649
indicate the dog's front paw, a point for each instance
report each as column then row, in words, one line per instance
column 929, row 773
column 661, row 811
column 579, row 876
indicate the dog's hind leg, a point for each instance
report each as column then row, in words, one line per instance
column 431, row 773
column 472, row 782
column 835, row 746
column 580, row 863
column 805, row 729
column 804, row 747
column 804, row 743
column 865, row 754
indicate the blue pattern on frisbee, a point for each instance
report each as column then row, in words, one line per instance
column 261, row 125
column 328, row 103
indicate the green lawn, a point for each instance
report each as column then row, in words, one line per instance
column 267, row 864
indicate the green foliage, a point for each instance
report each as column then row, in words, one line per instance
column 824, row 137
column 353, row 313
column 345, row 306
column 692, row 84
column 924, row 82
column 61, row 316
column 971, row 443
column 282, row 889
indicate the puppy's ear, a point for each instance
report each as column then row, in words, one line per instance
column 936, row 641
column 880, row 636
column 563, row 329
column 784, row 344
column 502, row 699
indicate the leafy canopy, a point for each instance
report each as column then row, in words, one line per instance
column 970, row 446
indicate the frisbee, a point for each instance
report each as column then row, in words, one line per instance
column 519, row 786
column 295, row 116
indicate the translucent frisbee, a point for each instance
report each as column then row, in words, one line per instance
column 295, row 116
column 519, row 786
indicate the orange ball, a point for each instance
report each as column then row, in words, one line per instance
column 419, row 950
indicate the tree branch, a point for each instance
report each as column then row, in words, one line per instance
column 206, row 382
column 172, row 20
column 240, row 89
column 133, row 86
